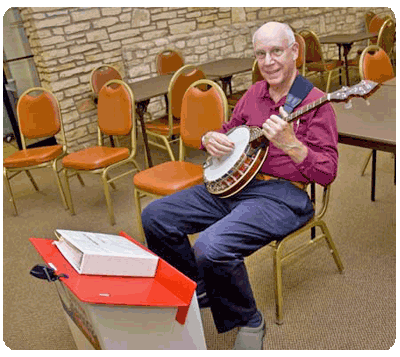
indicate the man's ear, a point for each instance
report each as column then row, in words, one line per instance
column 295, row 51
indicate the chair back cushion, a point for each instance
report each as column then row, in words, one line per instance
column 178, row 87
column 387, row 36
column 102, row 75
column 38, row 114
column 302, row 46
column 115, row 109
column 256, row 75
column 169, row 62
column 313, row 51
column 375, row 65
column 202, row 111
column 375, row 24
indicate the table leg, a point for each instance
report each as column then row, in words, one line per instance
column 346, row 50
column 373, row 175
column 141, row 108
column 227, row 84
column 340, row 58
column 312, row 197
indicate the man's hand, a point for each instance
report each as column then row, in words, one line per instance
column 282, row 135
column 217, row 144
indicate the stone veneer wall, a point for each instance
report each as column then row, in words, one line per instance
column 68, row 43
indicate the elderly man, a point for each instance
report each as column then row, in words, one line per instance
column 271, row 206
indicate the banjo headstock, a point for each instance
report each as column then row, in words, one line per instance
column 363, row 89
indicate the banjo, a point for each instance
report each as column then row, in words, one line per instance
column 229, row 174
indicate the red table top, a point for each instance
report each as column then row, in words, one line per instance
column 168, row 287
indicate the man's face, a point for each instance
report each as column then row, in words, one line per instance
column 276, row 57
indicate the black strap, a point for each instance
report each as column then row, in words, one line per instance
column 298, row 91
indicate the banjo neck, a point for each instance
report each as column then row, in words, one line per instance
column 299, row 112
column 363, row 90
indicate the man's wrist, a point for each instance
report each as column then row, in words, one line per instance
column 297, row 151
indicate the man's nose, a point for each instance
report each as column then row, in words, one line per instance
column 268, row 59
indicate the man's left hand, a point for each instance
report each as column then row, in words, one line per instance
column 282, row 135
column 279, row 132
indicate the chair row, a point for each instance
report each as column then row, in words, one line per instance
column 39, row 116
column 39, row 108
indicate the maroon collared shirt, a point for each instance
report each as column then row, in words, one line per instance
column 316, row 129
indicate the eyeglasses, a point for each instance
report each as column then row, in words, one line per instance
column 275, row 53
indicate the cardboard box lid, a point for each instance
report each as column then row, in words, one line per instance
column 168, row 287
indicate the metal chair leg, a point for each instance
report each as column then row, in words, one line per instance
column 169, row 149
column 8, row 186
column 60, row 188
column 332, row 246
column 32, row 180
column 108, row 198
column 278, row 284
column 68, row 192
column 138, row 209
column 80, row 179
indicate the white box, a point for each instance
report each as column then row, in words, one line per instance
column 105, row 254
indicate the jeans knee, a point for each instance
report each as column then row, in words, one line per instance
column 210, row 249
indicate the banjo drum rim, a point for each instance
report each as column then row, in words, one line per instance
column 245, row 177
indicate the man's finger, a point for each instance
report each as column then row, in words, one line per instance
column 283, row 112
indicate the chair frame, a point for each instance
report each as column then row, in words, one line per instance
column 169, row 139
column 323, row 61
column 279, row 247
column 51, row 163
column 138, row 193
column 382, row 33
column 104, row 171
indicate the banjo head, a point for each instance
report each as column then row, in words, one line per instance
column 215, row 168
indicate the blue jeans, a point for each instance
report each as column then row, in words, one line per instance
column 231, row 229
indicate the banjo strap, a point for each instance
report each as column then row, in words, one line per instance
column 298, row 91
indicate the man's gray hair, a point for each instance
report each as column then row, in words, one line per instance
column 285, row 27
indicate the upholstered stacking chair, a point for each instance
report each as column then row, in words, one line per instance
column 375, row 65
column 164, row 131
column 116, row 116
column 204, row 108
column 100, row 76
column 39, row 116
column 315, row 63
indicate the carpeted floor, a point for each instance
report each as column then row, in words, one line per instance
column 323, row 309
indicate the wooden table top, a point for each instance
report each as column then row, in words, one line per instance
column 371, row 125
column 156, row 86
column 346, row 38
column 227, row 67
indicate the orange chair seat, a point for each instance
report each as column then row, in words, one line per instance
column 34, row 156
column 160, row 126
column 95, row 157
column 321, row 66
column 169, row 177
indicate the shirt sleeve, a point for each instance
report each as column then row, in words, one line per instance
column 321, row 138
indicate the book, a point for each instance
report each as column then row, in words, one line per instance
column 105, row 254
